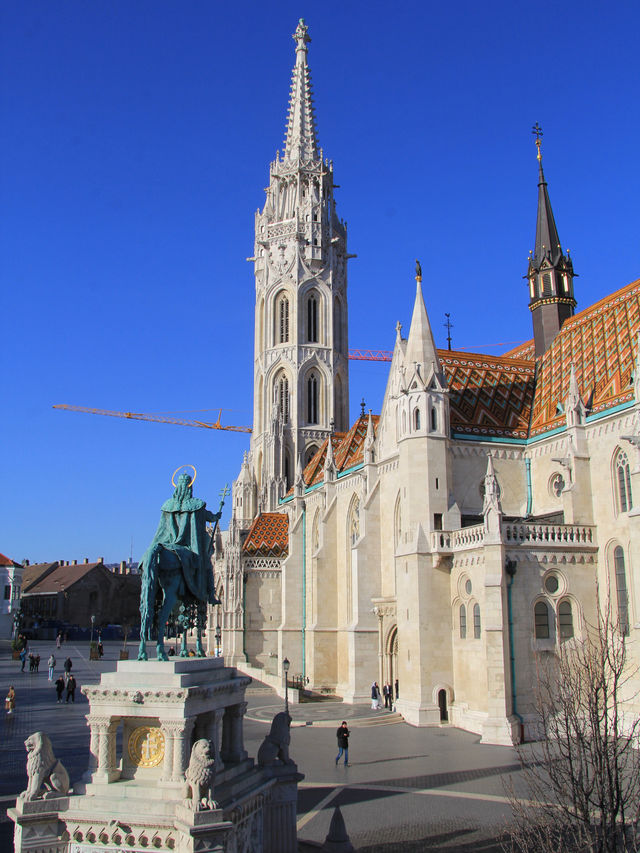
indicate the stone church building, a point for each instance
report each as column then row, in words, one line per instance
column 449, row 539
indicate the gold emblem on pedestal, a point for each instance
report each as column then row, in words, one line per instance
column 146, row 746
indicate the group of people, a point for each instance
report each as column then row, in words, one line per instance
column 67, row 682
column 387, row 695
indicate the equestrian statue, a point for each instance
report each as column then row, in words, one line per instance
column 177, row 567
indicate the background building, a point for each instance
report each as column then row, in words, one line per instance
column 65, row 595
column 10, row 581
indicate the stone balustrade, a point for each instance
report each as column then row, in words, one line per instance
column 549, row 535
column 515, row 533
column 447, row 541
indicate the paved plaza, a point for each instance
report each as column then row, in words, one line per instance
column 406, row 789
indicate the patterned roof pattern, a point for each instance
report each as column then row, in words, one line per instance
column 527, row 350
column 268, row 536
column 600, row 343
column 489, row 395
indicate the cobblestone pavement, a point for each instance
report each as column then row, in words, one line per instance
column 406, row 790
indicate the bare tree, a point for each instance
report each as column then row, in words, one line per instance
column 582, row 778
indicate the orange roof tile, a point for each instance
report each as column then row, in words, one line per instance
column 489, row 395
column 268, row 536
column 600, row 343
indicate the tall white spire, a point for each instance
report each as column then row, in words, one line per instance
column 301, row 142
column 421, row 348
column 301, row 334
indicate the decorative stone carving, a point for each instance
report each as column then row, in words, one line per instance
column 198, row 787
column 43, row 769
column 275, row 746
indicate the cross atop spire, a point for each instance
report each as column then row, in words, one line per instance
column 301, row 141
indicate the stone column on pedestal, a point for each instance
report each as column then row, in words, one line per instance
column 167, row 764
column 94, row 722
column 181, row 743
column 232, row 733
column 214, row 733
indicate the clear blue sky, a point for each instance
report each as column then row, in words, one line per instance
column 136, row 139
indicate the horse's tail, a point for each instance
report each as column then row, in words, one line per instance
column 148, row 588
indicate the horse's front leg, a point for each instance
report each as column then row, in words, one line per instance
column 142, row 648
column 170, row 594
column 201, row 616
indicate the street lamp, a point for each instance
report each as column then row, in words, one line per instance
column 218, row 640
column 285, row 669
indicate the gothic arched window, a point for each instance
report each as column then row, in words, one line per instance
column 434, row 419
column 542, row 630
column 463, row 622
column 416, row 419
column 397, row 523
column 354, row 522
column 311, row 452
column 283, row 398
column 282, row 332
column 312, row 399
column 476, row 621
column 312, row 318
column 621, row 590
column 623, row 479
column 565, row 620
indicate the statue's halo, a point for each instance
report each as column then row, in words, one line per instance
column 179, row 468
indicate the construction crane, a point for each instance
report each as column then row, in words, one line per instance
column 159, row 419
column 387, row 355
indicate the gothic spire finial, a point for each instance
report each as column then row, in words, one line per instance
column 418, row 270
column 301, row 142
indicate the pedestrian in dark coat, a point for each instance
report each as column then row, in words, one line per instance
column 343, row 743
column 397, row 689
column 386, row 692
column 60, row 688
column 71, row 688
column 67, row 667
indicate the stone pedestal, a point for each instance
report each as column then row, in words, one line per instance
column 144, row 719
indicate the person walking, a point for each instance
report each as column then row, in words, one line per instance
column 23, row 657
column 343, row 743
column 71, row 688
column 36, row 663
column 32, row 662
column 386, row 689
column 10, row 701
column 51, row 663
column 374, row 696
column 67, row 667
column 397, row 689
column 59, row 688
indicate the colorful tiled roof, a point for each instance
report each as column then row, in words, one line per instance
column 5, row 561
column 348, row 450
column 268, row 536
column 489, row 395
column 600, row 343
column 524, row 350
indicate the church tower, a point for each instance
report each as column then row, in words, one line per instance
column 550, row 271
column 301, row 379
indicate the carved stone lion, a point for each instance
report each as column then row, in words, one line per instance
column 198, row 786
column 43, row 769
column 276, row 744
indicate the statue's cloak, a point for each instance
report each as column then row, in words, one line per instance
column 182, row 529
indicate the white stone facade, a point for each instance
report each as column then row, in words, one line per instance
column 446, row 559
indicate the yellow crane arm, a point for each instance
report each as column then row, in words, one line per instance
column 160, row 419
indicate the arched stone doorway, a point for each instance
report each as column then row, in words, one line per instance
column 391, row 658
column 442, row 703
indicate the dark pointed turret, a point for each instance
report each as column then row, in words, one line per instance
column 550, row 271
